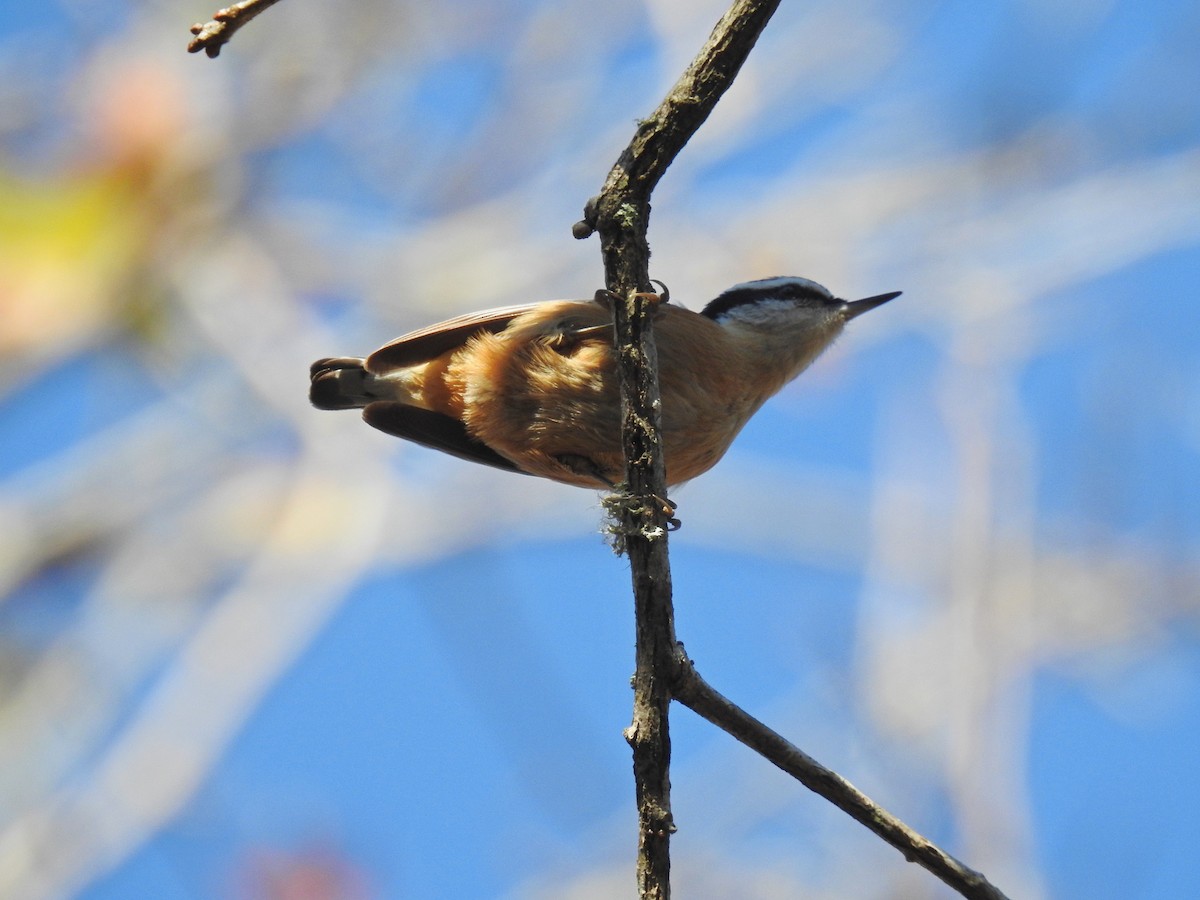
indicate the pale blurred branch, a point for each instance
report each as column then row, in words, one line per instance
column 701, row 698
column 621, row 215
column 212, row 35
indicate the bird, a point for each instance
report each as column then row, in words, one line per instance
column 533, row 388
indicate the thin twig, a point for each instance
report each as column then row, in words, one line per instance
column 620, row 213
column 699, row 696
column 212, row 35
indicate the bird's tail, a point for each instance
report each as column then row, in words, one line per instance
column 340, row 383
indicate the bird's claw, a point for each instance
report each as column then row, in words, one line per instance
column 607, row 298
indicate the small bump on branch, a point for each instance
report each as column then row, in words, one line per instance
column 212, row 35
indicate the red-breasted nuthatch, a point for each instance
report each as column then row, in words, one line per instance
column 534, row 389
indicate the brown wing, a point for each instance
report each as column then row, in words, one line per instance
column 428, row 343
column 434, row 430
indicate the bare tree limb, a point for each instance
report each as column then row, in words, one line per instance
column 211, row 36
column 621, row 215
column 699, row 696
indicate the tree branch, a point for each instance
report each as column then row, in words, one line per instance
column 211, row 36
column 620, row 213
column 701, row 698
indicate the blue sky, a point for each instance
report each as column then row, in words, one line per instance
column 252, row 648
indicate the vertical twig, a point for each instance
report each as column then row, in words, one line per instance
column 621, row 215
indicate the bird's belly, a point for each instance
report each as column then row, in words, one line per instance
column 559, row 415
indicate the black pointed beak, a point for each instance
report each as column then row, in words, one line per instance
column 858, row 307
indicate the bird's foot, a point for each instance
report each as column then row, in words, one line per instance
column 607, row 298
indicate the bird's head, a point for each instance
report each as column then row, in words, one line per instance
column 789, row 320
column 788, row 302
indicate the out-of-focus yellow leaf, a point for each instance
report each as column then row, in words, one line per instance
column 66, row 252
